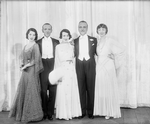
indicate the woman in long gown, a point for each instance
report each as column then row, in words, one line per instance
column 27, row 102
column 110, row 56
column 64, row 75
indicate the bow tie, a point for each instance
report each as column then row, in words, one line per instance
column 82, row 37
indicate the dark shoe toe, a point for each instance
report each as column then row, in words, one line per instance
column 44, row 117
column 91, row 116
column 50, row 118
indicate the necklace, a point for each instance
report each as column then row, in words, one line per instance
column 29, row 45
column 101, row 43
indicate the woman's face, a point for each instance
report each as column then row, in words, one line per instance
column 65, row 36
column 31, row 36
column 102, row 31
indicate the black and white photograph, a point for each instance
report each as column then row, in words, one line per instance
column 74, row 62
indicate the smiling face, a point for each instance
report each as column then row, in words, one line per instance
column 101, row 31
column 82, row 27
column 47, row 30
column 65, row 36
column 31, row 36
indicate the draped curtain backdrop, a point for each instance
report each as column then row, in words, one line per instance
column 128, row 22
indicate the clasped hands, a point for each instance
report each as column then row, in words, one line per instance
column 23, row 67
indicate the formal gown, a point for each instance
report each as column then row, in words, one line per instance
column 27, row 102
column 106, row 86
column 64, row 75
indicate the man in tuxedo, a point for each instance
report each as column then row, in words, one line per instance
column 85, row 50
column 48, row 92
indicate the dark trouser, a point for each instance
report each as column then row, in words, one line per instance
column 86, row 82
column 48, row 100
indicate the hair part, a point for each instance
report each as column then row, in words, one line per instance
column 83, row 22
column 46, row 24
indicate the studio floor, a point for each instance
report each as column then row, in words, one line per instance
column 139, row 115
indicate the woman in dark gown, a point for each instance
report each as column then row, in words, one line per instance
column 27, row 102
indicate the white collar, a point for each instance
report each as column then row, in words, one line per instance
column 47, row 38
column 83, row 36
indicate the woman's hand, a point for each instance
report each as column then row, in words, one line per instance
column 23, row 68
column 21, row 65
column 111, row 56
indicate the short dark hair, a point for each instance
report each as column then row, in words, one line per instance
column 34, row 30
column 67, row 31
column 83, row 22
column 46, row 24
column 102, row 26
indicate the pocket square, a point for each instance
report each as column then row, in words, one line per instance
column 91, row 39
column 93, row 44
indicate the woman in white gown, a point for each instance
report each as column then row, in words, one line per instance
column 110, row 54
column 64, row 74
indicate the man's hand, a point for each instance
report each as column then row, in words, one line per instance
column 60, row 80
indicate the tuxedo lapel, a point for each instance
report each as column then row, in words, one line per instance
column 90, row 43
column 40, row 44
column 77, row 46
column 53, row 43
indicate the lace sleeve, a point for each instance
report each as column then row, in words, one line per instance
column 119, row 52
column 21, row 59
column 120, row 61
column 37, row 59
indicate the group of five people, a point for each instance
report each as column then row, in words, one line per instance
column 77, row 77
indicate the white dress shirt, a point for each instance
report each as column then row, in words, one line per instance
column 47, row 48
column 83, row 48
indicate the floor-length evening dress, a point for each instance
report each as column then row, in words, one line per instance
column 106, row 88
column 67, row 94
column 27, row 102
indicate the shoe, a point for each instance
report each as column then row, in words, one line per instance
column 44, row 117
column 50, row 118
column 80, row 117
column 83, row 115
column 91, row 116
column 76, row 117
column 107, row 117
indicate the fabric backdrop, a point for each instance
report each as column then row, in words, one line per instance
column 128, row 22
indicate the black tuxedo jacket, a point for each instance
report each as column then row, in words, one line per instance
column 92, row 46
column 54, row 42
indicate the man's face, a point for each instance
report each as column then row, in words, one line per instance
column 47, row 30
column 83, row 27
